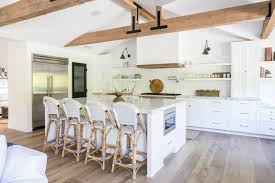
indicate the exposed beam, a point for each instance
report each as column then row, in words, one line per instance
column 26, row 9
column 270, row 22
column 250, row 12
column 129, row 4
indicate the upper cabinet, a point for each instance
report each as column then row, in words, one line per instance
column 245, row 70
column 163, row 49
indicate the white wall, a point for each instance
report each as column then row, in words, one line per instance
column 3, row 64
column 20, row 78
column 19, row 87
column 192, row 47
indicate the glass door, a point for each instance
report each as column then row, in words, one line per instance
column 79, row 79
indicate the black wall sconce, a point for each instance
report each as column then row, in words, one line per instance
column 122, row 54
column 206, row 48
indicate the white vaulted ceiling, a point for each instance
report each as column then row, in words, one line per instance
column 60, row 27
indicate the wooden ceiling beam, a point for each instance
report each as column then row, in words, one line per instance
column 27, row 9
column 270, row 22
column 250, row 12
column 129, row 4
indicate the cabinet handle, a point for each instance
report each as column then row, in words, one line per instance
column 216, row 123
column 243, row 113
column 216, row 102
column 243, row 103
column 243, row 126
column 272, row 129
column 216, row 111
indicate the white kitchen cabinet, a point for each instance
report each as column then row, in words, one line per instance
column 245, row 71
column 160, row 49
column 244, row 116
column 216, row 114
column 195, row 113
column 267, row 122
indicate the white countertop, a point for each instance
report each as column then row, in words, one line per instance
column 145, row 105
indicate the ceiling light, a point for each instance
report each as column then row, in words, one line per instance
column 206, row 49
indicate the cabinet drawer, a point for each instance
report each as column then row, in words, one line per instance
column 244, row 126
column 268, row 118
column 218, row 125
column 216, row 105
column 243, row 106
column 268, row 129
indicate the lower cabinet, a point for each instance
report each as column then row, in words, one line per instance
column 267, row 122
column 243, row 116
column 216, row 114
column 231, row 115
column 195, row 113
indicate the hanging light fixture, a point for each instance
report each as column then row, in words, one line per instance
column 122, row 54
column 206, row 48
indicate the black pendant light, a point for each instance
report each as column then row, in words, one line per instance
column 122, row 54
column 206, row 48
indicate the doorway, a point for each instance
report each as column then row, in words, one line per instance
column 79, row 80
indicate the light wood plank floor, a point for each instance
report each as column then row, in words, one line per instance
column 209, row 158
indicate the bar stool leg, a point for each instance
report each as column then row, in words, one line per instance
column 65, row 140
column 78, row 142
column 47, row 134
column 89, row 145
column 134, row 154
column 103, row 148
column 57, row 131
column 118, row 142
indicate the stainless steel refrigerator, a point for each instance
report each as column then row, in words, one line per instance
column 50, row 78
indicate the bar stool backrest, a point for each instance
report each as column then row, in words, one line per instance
column 126, row 114
column 52, row 106
column 96, row 111
column 72, row 108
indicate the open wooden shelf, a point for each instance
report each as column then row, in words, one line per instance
column 206, row 79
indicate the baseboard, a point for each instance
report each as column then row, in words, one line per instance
column 230, row 132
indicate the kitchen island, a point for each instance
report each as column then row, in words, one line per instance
column 166, row 126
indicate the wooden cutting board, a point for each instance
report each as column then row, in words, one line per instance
column 156, row 85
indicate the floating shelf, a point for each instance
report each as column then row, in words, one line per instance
column 125, row 68
column 208, row 65
column 267, row 79
column 267, row 63
column 206, row 79
column 127, row 79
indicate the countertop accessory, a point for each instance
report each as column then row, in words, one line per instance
column 156, row 85
column 118, row 95
column 268, row 54
column 208, row 93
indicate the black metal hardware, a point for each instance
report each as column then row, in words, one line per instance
column 52, row 0
column 138, row 8
column 134, row 30
column 269, row 11
column 159, row 26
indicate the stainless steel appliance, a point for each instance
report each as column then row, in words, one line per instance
column 50, row 78
column 169, row 120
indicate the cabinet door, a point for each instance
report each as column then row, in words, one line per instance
column 251, row 71
column 245, row 70
column 237, row 81
column 216, row 114
column 244, row 116
column 195, row 113
column 267, row 122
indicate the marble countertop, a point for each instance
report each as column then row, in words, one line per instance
column 217, row 98
column 145, row 105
